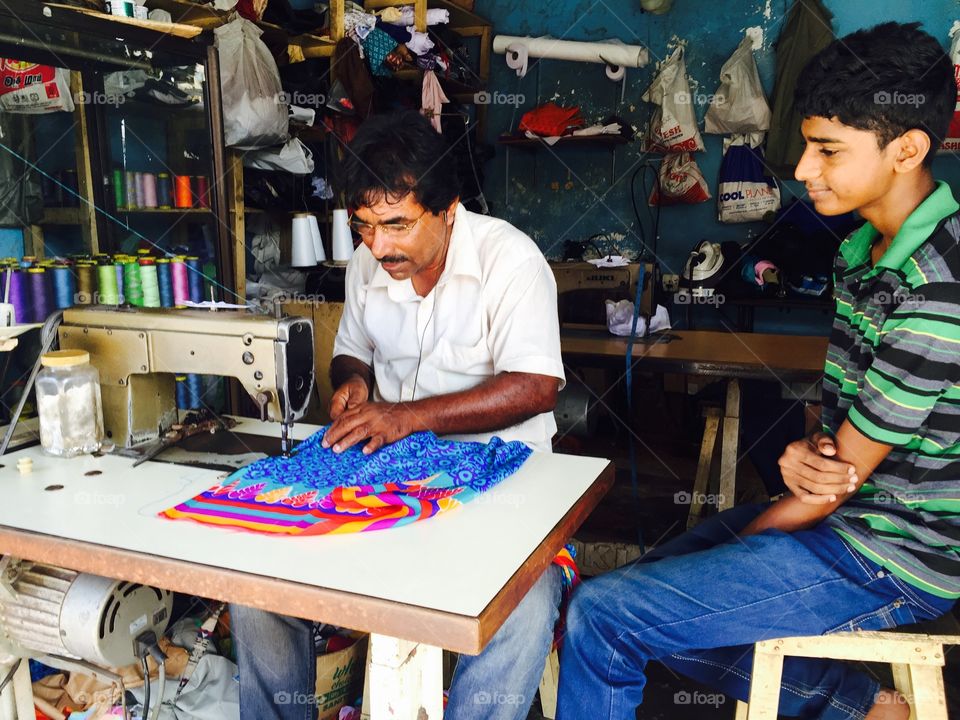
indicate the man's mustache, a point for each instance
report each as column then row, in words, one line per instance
column 392, row 259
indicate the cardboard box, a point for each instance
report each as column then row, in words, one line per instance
column 340, row 679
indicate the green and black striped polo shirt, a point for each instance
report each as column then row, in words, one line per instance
column 893, row 371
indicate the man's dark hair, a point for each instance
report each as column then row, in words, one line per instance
column 887, row 79
column 396, row 154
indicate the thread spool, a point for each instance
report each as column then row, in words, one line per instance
column 165, row 282
column 203, row 192
column 41, row 295
column 181, row 392
column 107, row 292
column 150, row 283
column 131, row 184
column 19, row 294
column 118, row 271
column 164, row 194
column 183, row 192
column 138, row 184
column 194, row 391
column 195, row 279
column 181, row 285
column 119, row 189
column 303, row 249
column 342, row 237
column 64, row 286
column 149, row 190
column 86, row 283
column 132, row 289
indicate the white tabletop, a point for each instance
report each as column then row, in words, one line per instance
column 456, row 562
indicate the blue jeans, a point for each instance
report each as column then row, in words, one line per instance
column 698, row 603
column 277, row 662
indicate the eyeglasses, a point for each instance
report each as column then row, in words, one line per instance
column 392, row 229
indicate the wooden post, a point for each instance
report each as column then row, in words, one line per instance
column 405, row 680
column 765, row 681
column 549, row 685
column 730, row 447
column 85, row 185
column 702, row 482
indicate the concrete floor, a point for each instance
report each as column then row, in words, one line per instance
column 668, row 464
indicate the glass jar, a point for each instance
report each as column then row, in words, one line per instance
column 68, row 403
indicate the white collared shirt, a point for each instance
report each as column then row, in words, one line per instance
column 493, row 310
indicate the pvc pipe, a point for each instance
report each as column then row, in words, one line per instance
column 607, row 53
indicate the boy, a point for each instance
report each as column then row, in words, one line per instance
column 870, row 537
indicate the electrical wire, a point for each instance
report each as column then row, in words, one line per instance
column 146, row 687
column 160, row 687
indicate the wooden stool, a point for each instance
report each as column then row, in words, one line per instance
column 916, row 661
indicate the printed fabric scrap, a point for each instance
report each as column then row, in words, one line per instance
column 316, row 491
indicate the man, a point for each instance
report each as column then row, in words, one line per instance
column 870, row 537
column 449, row 325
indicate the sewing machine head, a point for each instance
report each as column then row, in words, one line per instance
column 582, row 289
column 139, row 351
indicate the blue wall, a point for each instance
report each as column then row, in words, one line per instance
column 574, row 193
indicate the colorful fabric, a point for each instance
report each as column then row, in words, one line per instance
column 567, row 563
column 316, row 491
column 376, row 46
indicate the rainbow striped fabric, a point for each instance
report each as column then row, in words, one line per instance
column 317, row 492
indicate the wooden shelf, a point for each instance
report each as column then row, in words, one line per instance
column 162, row 211
column 583, row 140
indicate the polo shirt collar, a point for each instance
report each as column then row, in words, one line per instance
column 462, row 257
column 916, row 230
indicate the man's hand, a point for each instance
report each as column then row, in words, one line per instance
column 380, row 423
column 810, row 473
column 351, row 394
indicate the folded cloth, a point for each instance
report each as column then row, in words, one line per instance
column 550, row 120
column 404, row 16
column 620, row 319
column 377, row 45
column 419, row 43
column 397, row 32
column 316, row 491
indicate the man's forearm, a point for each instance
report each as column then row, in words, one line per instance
column 503, row 400
column 789, row 514
column 343, row 367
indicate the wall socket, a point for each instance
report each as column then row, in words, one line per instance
column 671, row 283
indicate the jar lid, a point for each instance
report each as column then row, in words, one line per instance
column 65, row 358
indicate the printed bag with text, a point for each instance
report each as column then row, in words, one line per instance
column 673, row 126
column 744, row 194
column 680, row 182
column 951, row 143
column 34, row 89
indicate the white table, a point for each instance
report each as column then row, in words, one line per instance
column 472, row 565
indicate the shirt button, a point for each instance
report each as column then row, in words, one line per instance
column 881, row 574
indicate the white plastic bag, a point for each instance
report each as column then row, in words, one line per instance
column 744, row 193
column 673, row 126
column 254, row 112
column 34, row 89
column 951, row 143
column 679, row 182
column 292, row 157
column 739, row 105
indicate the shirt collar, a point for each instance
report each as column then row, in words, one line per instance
column 915, row 231
column 462, row 257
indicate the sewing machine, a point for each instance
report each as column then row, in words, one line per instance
column 582, row 289
column 138, row 351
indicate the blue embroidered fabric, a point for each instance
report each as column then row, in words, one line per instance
column 478, row 466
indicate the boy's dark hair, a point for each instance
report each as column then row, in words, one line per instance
column 886, row 79
column 396, row 154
